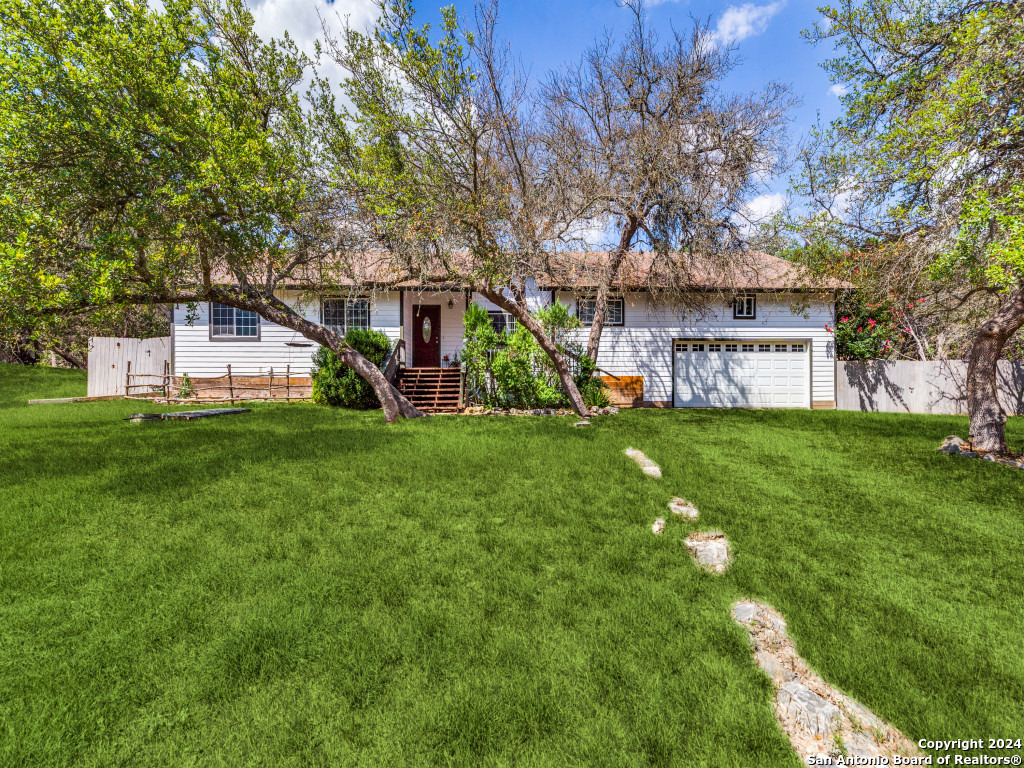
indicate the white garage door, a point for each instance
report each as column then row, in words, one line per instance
column 767, row 373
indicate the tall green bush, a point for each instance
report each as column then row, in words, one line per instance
column 509, row 370
column 337, row 384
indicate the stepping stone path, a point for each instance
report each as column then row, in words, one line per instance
column 682, row 507
column 647, row 466
column 710, row 550
column 819, row 720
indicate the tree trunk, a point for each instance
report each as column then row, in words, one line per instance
column 393, row 402
column 988, row 420
column 69, row 358
column 610, row 272
column 522, row 316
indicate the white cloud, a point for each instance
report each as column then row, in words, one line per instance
column 301, row 19
column 759, row 210
column 742, row 21
column 766, row 205
column 839, row 90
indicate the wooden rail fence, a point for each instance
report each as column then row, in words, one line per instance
column 229, row 388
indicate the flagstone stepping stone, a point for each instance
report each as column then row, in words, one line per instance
column 658, row 527
column 647, row 466
column 817, row 716
column 814, row 715
column 683, row 507
column 710, row 550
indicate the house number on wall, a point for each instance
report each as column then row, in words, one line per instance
column 426, row 330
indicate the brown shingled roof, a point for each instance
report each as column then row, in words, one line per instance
column 640, row 270
column 751, row 270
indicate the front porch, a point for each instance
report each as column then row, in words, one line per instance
column 427, row 370
column 432, row 329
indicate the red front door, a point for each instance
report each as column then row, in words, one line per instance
column 426, row 336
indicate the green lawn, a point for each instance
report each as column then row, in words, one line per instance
column 305, row 586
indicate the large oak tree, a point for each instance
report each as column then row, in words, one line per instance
column 447, row 167
column 154, row 156
column 924, row 169
column 649, row 146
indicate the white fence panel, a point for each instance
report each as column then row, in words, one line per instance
column 910, row 386
column 109, row 358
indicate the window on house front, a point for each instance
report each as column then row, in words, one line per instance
column 502, row 322
column 616, row 314
column 764, row 347
column 730, row 347
column 342, row 314
column 748, row 347
column 231, row 323
column 744, row 308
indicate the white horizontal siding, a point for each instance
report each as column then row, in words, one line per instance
column 198, row 356
column 643, row 346
column 535, row 298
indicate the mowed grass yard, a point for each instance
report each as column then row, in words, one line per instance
column 304, row 586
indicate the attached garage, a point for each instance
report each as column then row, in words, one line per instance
column 729, row 373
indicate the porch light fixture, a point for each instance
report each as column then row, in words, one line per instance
column 451, row 303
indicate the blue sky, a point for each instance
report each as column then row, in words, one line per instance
column 548, row 33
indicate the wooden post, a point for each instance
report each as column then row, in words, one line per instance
column 288, row 384
column 128, row 378
column 167, row 380
column 231, row 385
column 270, row 386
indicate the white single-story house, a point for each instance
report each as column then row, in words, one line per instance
column 766, row 344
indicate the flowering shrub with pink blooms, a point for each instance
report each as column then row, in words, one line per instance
column 865, row 333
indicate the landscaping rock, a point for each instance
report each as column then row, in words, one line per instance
column 969, row 454
column 647, row 466
column 682, row 507
column 710, row 550
column 860, row 716
column 746, row 613
column 861, row 745
column 773, row 667
column 582, row 424
column 953, row 445
column 658, row 527
column 798, row 702
column 808, row 708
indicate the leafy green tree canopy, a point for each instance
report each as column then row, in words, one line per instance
column 922, row 174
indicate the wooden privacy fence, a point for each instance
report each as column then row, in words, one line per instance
column 112, row 360
column 910, row 386
column 228, row 388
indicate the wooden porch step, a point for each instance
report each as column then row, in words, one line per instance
column 434, row 390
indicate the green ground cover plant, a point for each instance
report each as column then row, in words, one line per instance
column 303, row 585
